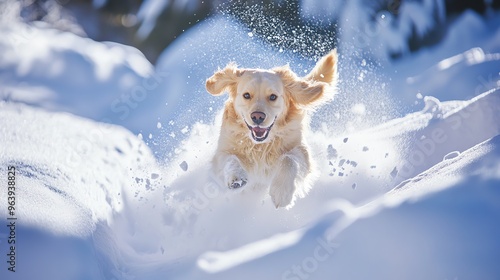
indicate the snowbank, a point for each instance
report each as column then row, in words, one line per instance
column 72, row 175
column 440, row 225
column 78, row 171
column 463, row 65
column 102, row 81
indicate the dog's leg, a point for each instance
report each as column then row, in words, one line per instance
column 283, row 185
column 292, row 169
column 234, row 174
column 228, row 168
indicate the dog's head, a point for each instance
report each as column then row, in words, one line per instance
column 262, row 99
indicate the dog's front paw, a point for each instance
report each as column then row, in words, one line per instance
column 237, row 183
column 235, row 176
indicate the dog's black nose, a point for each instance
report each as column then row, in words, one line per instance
column 258, row 117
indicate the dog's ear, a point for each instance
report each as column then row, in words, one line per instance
column 325, row 69
column 303, row 92
column 223, row 79
column 308, row 93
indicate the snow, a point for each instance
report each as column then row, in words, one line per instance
column 126, row 194
column 59, row 168
column 451, row 155
column 417, row 16
column 148, row 13
column 329, row 11
column 150, row 10
column 101, row 81
column 471, row 43
column 438, row 220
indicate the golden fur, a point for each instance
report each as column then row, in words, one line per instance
column 271, row 152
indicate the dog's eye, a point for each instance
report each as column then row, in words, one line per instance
column 273, row 97
column 246, row 95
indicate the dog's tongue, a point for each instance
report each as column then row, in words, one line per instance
column 259, row 132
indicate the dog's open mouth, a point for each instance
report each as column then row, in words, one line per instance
column 260, row 134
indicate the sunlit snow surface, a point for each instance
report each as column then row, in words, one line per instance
column 411, row 197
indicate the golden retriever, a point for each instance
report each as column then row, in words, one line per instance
column 262, row 141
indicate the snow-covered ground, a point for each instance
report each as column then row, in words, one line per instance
column 408, row 156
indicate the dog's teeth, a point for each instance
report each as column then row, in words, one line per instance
column 259, row 134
